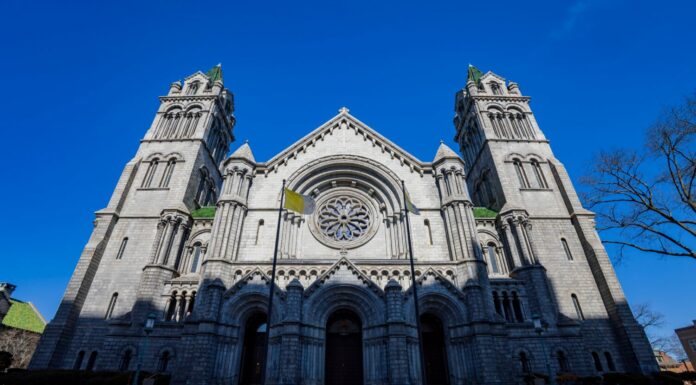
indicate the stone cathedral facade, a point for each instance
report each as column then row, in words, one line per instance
column 501, row 240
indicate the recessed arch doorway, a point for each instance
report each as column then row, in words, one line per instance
column 344, row 360
column 253, row 350
column 434, row 350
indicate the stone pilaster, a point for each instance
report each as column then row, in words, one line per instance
column 397, row 335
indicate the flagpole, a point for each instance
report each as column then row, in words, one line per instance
column 270, row 290
column 414, row 286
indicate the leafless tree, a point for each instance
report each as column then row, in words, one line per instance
column 20, row 343
column 650, row 320
column 645, row 199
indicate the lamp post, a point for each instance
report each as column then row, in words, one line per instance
column 149, row 326
column 540, row 327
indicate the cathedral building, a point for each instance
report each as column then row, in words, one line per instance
column 512, row 278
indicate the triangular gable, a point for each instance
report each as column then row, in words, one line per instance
column 248, row 277
column 322, row 279
column 199, row 75
column 441, row 279
column 344, row 120
column 490, row 74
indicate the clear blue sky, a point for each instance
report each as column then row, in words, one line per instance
column 81, row 81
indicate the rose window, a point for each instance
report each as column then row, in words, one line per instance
column 343, row 219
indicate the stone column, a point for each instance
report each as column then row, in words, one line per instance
column 397, row 334
column 512, row 246
column 526, row 258
column 290, row 348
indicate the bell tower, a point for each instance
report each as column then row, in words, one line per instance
column 138, row 239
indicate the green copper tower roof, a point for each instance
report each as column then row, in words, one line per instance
column 215, row 73
column 474, row 74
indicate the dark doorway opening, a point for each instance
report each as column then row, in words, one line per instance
column 253, row 350
column 344, row 362
column 434, row 351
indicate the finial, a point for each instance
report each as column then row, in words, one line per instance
column 219, row 65
column 442, row 141
column 343, row 110
column 246, row 141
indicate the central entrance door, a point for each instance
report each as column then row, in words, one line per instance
column 344, row 364
column 252, row 352
column 434, row 352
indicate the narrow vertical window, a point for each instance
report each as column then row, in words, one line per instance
column 259, row 228
column 167, row 175
column 597, row 362
column 517, row 307
column 192, row 88
column 163, row 362
column 171, row 308
column 495, row 88
column 568, row 254
column 429, row 231
column 496, row 303
column 610, row 362
column 122, row 248
column 539, row 174
column 78, row 361
column 521, row 175
column 112, row 305
column 91, row 361
column 562, row 361
column 196, row 257
column 150, row 173
column 493, row 258
column 578, row 309
column 524, row 362
column 125, row 360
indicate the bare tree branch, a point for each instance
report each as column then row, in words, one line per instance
column 646, row 200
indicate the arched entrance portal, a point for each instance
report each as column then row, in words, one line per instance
column 344, row 363
column 434, row 353
column 252, row 350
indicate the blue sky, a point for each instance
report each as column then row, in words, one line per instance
column 81, row 81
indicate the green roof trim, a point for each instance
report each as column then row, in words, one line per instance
column 23, row 315
column 483, row 212
column 215, row 73
column 474, row 75
column 204, row 212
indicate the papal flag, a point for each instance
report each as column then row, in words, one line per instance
column 298, row 203
column 410, row 206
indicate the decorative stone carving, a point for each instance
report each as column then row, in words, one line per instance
column 344, row 219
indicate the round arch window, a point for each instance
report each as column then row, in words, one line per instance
column 344, row 219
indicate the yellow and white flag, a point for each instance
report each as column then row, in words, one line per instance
column 410, row 206
column 298, row 203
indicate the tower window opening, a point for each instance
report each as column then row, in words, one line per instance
column 521, row 175
column 150, row 173
column 163, row 363
column 259, row 228
column 125, row 360
column 541, row 181
column 568, row 254
column 493, row 258
column 578, row 309
column 196, row 255
column 597, row 362
column 91, row 361
column 122, row 248
column 525, row 363
column 112, row 305
column 562, row 361
column 167, row 175
column 429, row 231
column 610, row 362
